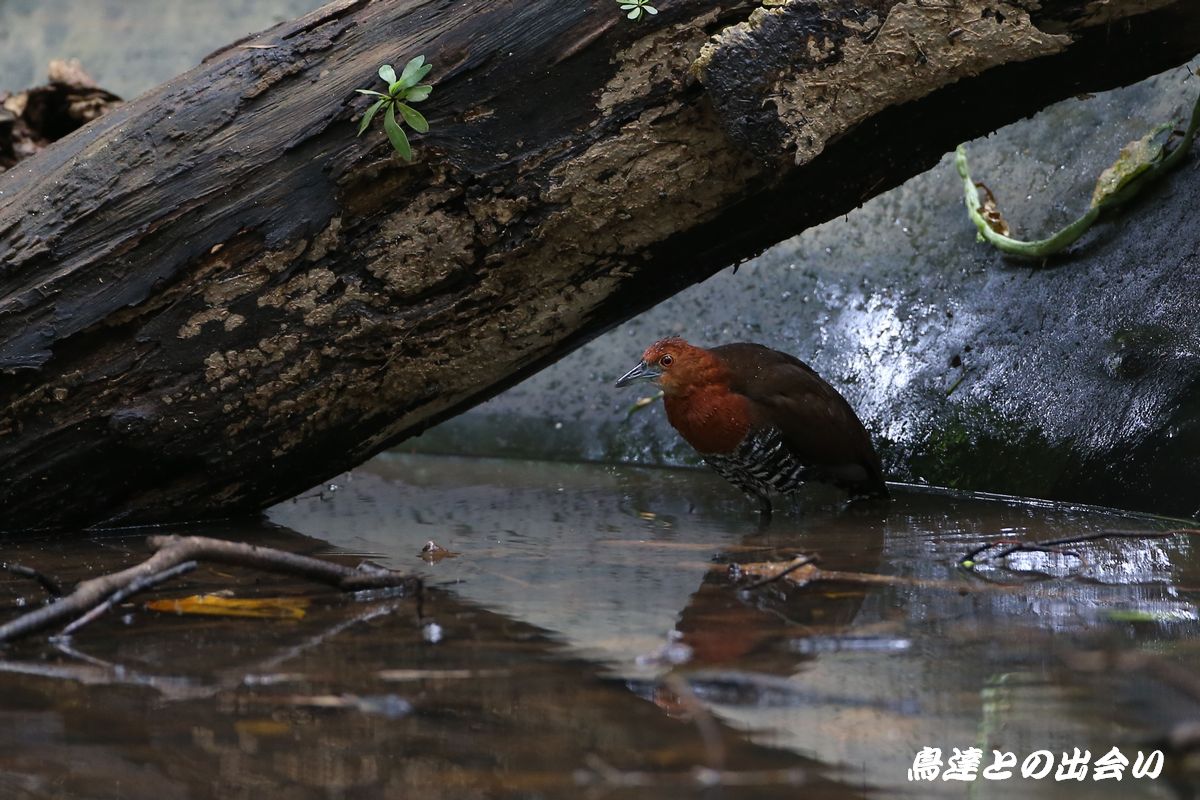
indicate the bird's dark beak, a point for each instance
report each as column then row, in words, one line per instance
column 642, row 372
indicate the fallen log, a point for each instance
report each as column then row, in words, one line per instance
column 215, row 296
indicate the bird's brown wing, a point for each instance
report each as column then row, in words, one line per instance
column 815, row 421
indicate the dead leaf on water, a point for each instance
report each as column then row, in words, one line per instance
column 989, row 209
column 262, row 727
column 263, row 608
column 433, row 552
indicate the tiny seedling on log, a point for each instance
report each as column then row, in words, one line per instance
column 400, row 92
column 637, row 8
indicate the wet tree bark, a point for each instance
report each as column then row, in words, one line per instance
column 216, row 296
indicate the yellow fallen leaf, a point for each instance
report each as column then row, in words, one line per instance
column 266, row 608
column 262, row 727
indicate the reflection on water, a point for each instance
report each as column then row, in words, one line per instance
column 586, row 640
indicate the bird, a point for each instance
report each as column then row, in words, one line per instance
column 763, row 419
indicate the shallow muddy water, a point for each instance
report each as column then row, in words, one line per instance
column 588, row 639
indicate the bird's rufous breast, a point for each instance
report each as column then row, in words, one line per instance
column 711, row 418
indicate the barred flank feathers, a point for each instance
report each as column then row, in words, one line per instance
column 761, row 464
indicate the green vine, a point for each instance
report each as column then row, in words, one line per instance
column 1140, row 163
column 401, row 91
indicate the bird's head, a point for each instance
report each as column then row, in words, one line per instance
column 673, row 364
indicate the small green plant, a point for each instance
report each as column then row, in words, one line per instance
column 401, row 91
column 637, row 8
column 1140, row 163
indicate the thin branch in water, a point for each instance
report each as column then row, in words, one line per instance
column 51, row 586
column 971, row 558
column 786, row 569
column 96, row 671
column 1039, row 548
column 803, row 574
column 121, row 595
column 980, row 555
column 176, row 550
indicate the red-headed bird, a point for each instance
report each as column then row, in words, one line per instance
column 765, row 421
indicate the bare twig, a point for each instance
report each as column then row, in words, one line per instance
column 972, row 558
column 802, row 572
column 176, row 550
column 283, row 656
column 96, row 671
column 785, row 570
column 121, row 595
column 978, row 556
column 49, row 584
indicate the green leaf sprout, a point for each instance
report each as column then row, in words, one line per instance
column 400, row 92
column 637, row 8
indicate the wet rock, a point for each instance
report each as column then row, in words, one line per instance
column 1077, row 379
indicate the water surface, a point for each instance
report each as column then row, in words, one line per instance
column 587, row 639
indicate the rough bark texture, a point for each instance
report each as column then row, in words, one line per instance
column 215, row 296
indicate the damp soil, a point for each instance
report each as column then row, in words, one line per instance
column 586, row 639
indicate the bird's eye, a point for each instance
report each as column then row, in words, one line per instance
column 666, row 360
